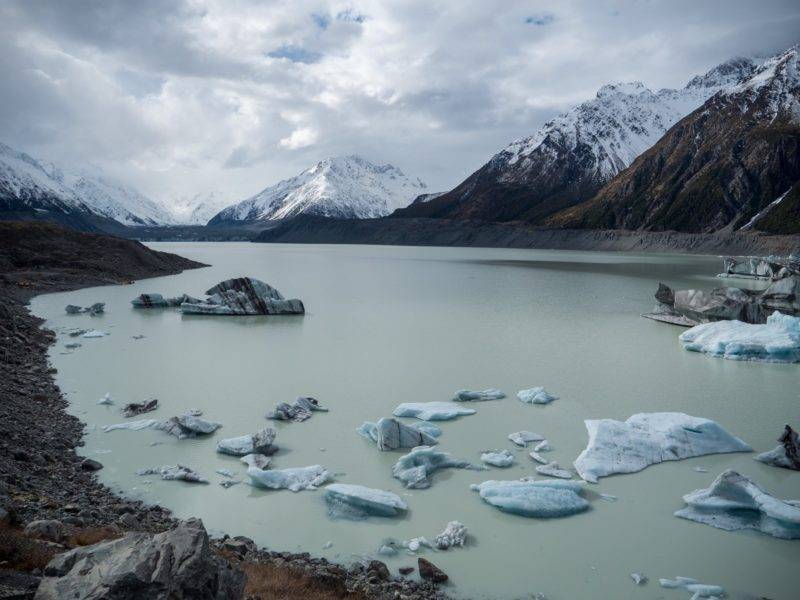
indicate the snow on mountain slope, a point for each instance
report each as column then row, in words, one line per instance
column 341, row 187
column 197, row 209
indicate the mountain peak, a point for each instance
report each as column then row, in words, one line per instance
column 629, row 88
column 725, row 74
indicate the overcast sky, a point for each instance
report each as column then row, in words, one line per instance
column 181, row 97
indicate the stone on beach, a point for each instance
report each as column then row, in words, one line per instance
column 553, row 469
column 523, row 438
column 787, row 454
column 498, row 458
column 734, row 502
column 414, row 468
column 254, row 443
column 244, row 296
column 536, row 395
column 478, row 396
column 649, row 438
column 697, row 589
column 454, row 534
column 294, row 479
column 540, row 499
column 137, row 408
column 432, row 411
column 299, row 411
column 391, row 434
column 358, row 501
column 778, row 340
column 177, row 472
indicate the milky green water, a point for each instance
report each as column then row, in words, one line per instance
column 387, row 325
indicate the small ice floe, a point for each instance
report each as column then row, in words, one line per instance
column 359, row 502
column 387, row 549
column 72, row 345
column 608, row 497
column 734, row 502
column 254, row 443
column 177, row 472
column 414, row 468
column 536, row 395
column 697, row 589
column 639, row 578
column 158, row 301
column 327, row 545
column 106, row 399
column 523, row 438
column 296, row 479
column 391, row 434
column 95, row 309
column 454, row 534
column 133, row 409
column 94, row 333
column 77, row 332
column 553, row 469
column 650, row 438
column 187, row 426
column 102, row 451
column 432, row 411
column 540, row 499
column 414, row 544
column 778, row 340
column 297, row 412
column 498, row 458
column 226, row 473
column 228, row 483
column 787, row 454
column 138, row 337
column 699, row 469
column 259, row 461
column 543, row 446
column 478, row 396
column 538, row 457
column 131, row 425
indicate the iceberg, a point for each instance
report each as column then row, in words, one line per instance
column 538, row 457
column 177, row 472
column 357, row 501
column 158, row 301
column 299, row 411
column 734, row 502
column 482, row 396
column 697, row 589
column 454, row 534
column 98, row 308
column 498, row 458
column 553, row 469
column 391, row 434
column 256, row 460
column 787, row 455
column 649, row 438
column 776, row 341
column 243, row 296
column 301, row 478
column 414, row 468
column 254, row 443
column 539, row 499
column 106, row 399
column 94, row 333
column 132, row 425
column 187, row 426
column 523, row 438
column 432, row 411
column 133, row 409
column 536, row 395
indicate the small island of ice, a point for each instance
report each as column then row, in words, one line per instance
column 391, row 434
column 478, row 396
column 540, row 499
column 300, row 478
column 536, row 395
column 357, row 501
column 498, row 458
column 432, row 411
column 414, row 468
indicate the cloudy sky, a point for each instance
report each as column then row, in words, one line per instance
column 184, row 96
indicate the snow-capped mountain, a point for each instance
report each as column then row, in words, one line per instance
column 340, row 187
column 573, row 155
column 197, row 209
column 28, row 184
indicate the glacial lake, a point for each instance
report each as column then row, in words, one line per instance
column 386, row 325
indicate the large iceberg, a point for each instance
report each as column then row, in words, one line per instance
column 536, row 395
column 244, row 296
column 254, row 443
column 299, row 411
column 357, row 501
column 649, row 438
column 296, row 479
column 776, row 341
column 432, row 411
column 541, row 499
column 478, row 396
column 391, row 434
column 735, row 502
column 414, row 468
column 787, row 454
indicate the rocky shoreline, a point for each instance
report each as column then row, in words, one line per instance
column 48, row 493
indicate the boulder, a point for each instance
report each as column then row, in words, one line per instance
column 46, row 529
column 254, row 443
column 430, row 572
column 89, row 464
column 244, row 296
column 175, row 565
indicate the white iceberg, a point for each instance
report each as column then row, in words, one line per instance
column 132, row 425
column 478, row 396
column 414, row 468
column 300, row 478
column 540, row 499
column 523, row 438
column 358, row 501
column 432, row 411
column 498, row 458
column 538, row 457
column 454, row 534
column 536, row 395
column 776, row 341
column 543, row 446
column 734, row 502
column 553, row 469
column 256, row 460
column 187, row 426
column 391, row 434
column 94, row 333
column 697, row 589
column 177, row 472
column 649, row 438
column 254, row 443
column 106, row 399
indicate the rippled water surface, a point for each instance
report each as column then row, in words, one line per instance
column 387, row 325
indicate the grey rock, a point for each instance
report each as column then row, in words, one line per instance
column 175, row 565
column 46, row 529
column 239, row 545
column 128, row 521
column 89, row 464
column 430, row 572
column 380, row 569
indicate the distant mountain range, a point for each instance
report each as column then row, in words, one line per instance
column 340, row 187
column 198, row 209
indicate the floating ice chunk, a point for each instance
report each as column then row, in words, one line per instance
column 414, row 544
column 553, row 469
column 543, row 446
column 639, row 578
column 254, row 443
column 523, row 438
column 475, row 396
column 649, row 438
column 133, row 409
column 187, row 426
column 536, row 395
column 541, row 499
column 787, row 455
column 432, row 411
column 95, row 309
column 776, row 341
column 94, row 333
column 72, row 345
column 301, row 478
column 227, row 483
column 391, row 434
column 454, row 534
column 299, row 411
column 414, row 468
column 177, row 472
column 132, row 425
column 498, row 458
column 538, row 457
column 106, row 399
column 697, row 589
column 225, row 472
column 387, row 550
column 256, row 460
column 734, row 502
column 327, row 545
column 357, row 501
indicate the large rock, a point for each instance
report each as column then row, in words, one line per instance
column 244, row 296
column 430, row 572
column 174, row 565
column 46, row 529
